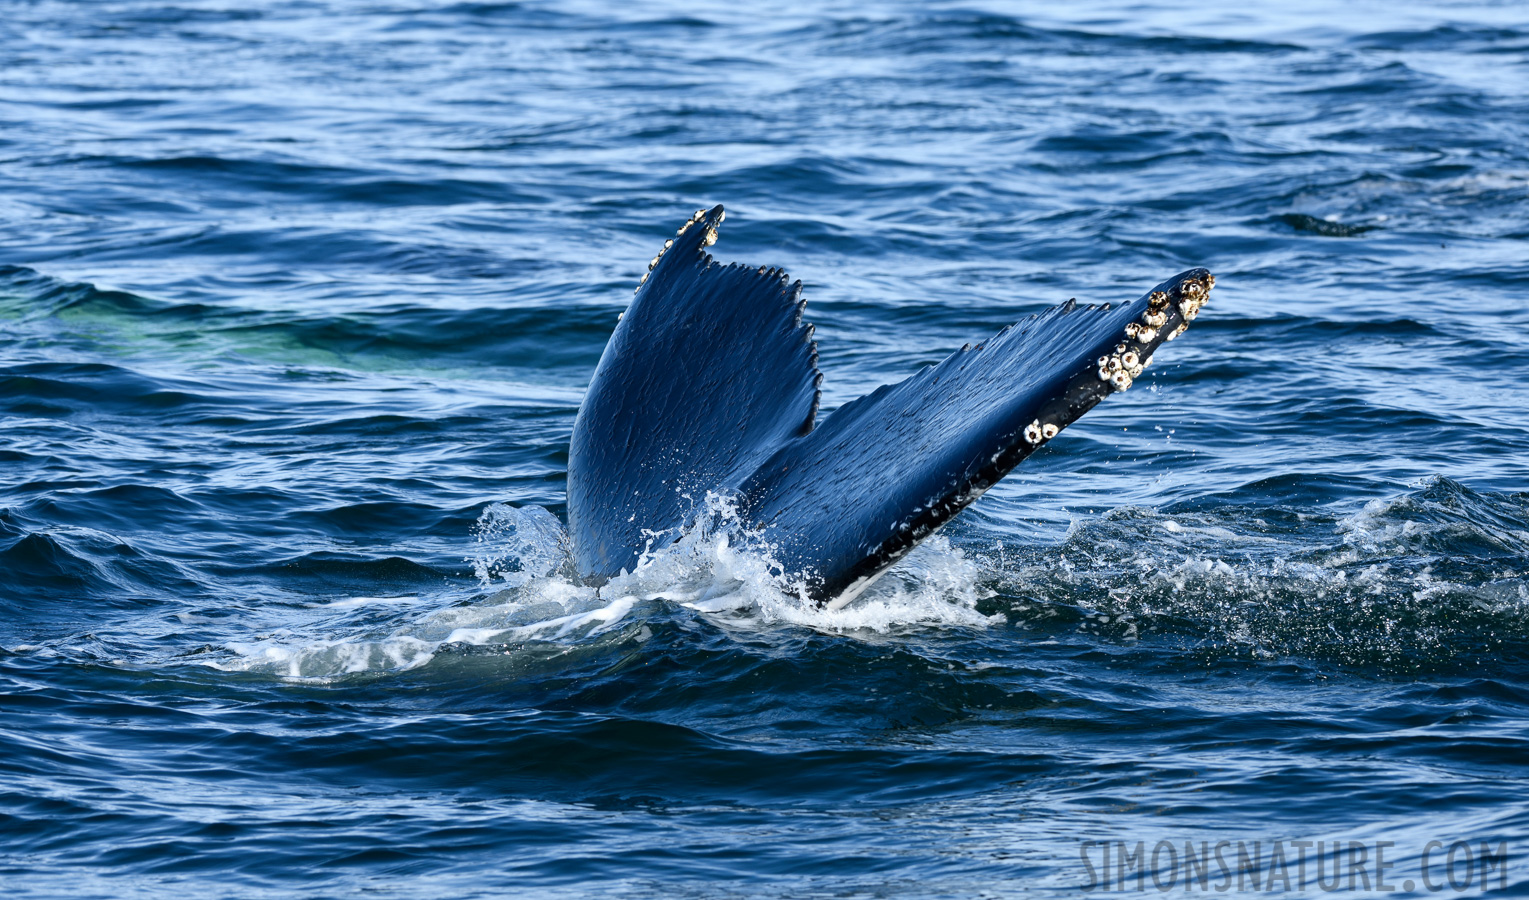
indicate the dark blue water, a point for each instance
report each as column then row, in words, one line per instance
column 298, row 301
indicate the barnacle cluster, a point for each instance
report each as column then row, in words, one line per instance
column 1126, row 364
column 706, row 241
column 1035, row 432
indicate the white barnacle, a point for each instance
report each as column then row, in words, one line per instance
column 1129, row 360
column 1114, row 364
column 669, row 243
column 1120, row 348
column 1210, row 281
column 710, row 238
column 1157, row 300
column 1190, row 313
column 1146, row 335
column 1131, row 329
column 653, row 262
column 1049, row 430
column 1033, row 433
column 1155, row 319
column 1136, row 371
column 1104, row 361
column 1104, row 373
column 1120, row 380
column 1183, row 326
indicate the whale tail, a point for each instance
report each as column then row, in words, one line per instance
column 710, row 384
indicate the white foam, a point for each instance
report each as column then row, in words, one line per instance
column 523, row 562
column 709, row 572
column 327, row 658
column 354, row 602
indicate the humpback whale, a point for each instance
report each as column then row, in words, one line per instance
column 709, row 385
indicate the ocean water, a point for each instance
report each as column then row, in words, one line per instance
column 298, row 301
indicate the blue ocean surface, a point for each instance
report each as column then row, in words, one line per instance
column 299, row 298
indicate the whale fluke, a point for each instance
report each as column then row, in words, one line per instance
column 710, row 384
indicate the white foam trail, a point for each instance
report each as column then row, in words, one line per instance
column 354, row 602
column 524, row 561
column 327, row 658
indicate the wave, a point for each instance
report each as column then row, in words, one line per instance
column 534, row 338
column 1432, row 580
column 73, row 564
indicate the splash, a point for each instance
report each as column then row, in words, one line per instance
column 1434, row 577
column 530, row 605
column 518, row 544
column 721, row 569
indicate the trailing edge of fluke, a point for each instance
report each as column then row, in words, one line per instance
column 710, row 384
